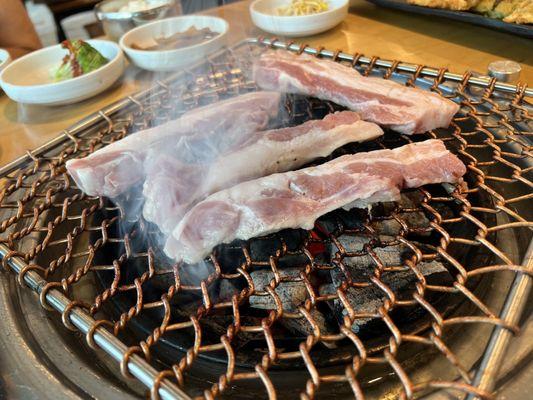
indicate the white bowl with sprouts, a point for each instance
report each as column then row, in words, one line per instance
column 267, row 15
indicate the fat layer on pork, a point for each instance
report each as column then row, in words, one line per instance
column 404, row 109
column 296, row 199
column 113, row 169
column 172, row 186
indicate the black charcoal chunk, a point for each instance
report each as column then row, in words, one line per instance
column 408, row 210
column 351, row 243
column 387, row 226
column 369, row 299
column 219, row 324
column 291, row 294
column 230, row 287
column 262, row 248
column 303, row 327
column 444, row 209
column 360, row 266
column 230, row 256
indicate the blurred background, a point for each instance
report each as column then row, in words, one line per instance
column 56, row 20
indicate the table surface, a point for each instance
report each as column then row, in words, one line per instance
column 368, row 29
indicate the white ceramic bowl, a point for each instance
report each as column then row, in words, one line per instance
column 172, row 60
column 5, row 59
column 29, row 79
column 264, row 15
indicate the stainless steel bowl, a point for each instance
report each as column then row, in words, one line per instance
column 116, row 23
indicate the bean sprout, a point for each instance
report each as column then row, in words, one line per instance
column 303, row 7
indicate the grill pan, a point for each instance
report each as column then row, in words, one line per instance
column 181, row 339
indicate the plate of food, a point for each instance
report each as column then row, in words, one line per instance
column 65, row 73
column 298, row 17
column 513, row 16
column 174, row 43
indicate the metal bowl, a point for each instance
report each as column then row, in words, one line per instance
column 116, row 23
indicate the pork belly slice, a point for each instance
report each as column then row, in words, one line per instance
column 172, row 187
column 296, row 199
column 113, row 169
column 404, row 109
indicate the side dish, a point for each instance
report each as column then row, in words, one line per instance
column 142, row 5
column 190, row 37
column 81, row 59
column 303, row 7
column 512, row 11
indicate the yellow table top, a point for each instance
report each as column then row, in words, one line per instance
column 368, row 29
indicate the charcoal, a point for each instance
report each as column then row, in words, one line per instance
column 163, row 281
column 361, row 264
column 302, row 326
column 229, row 287
column 351, row 243
column 388, row 226
column 194, row 274
column 230, row 256
column 414, row 219
column 370, row 299
column 352, row 219
column 298, row 261
column 185, row 304
column 327, row 289
column 261, row 249
column 444, row 210
column 219, row 325
column 292, row 295
column 360, row 267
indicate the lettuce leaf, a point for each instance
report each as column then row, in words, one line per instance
column 81, row 59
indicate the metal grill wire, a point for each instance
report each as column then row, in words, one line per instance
column 53, row 227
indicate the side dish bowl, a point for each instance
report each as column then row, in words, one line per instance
column 265, row 16
column 5, row 59
column 174, row 59
column 29, row 79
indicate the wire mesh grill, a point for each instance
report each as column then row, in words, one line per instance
column 367, row 304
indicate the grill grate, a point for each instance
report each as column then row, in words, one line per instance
column 283, row 314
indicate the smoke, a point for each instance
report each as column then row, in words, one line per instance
column 178, row 162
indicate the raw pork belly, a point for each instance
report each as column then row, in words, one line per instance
column 172, row 187
column 296, row 199
column 404, row 109
column 115, row 168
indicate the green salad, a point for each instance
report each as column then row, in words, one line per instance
column 80, row 59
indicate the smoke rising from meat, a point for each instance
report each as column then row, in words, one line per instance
column 155, row 172
column 158, row 175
